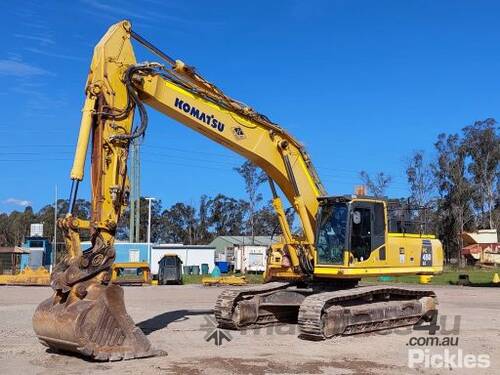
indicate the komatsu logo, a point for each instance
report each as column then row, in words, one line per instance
column 199, row 115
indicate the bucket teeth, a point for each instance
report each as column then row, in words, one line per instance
column 96, row 326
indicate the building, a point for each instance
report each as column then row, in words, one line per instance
column 127, row 251
column 10, row 260
column 242, row 252
column 39, row 252
column 481, row 247
column 190, row 255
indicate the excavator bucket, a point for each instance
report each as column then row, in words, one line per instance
column 96, row 326
column 86, row 314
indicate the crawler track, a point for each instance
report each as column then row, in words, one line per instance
column 228, row 300
column 322, row 314
column 359, row 310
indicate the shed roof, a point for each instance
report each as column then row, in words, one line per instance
column 245, row 240
column 13, row 250
column 482, row 236
column 177, row 246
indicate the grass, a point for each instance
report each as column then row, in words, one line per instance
column 449, row 276
column 250, row 278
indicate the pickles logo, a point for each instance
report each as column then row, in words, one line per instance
column 208, row 119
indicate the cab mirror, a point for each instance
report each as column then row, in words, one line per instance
column 356, row 217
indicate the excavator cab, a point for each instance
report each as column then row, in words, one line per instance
column 349, row 229
column 353, row 240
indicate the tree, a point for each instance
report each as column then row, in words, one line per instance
column 454, row 206
column 178, row 223
column 156, row 208
column 253, row 177
column 266, row 221
column 185, row 224
column 226, row 215
column 45, row 216
column 378, row 185
column 4, row 234
column 202, row 228
column 15, row 226
column 122, row 232
column 420, row 179
column 482, row 144
column 421, row 183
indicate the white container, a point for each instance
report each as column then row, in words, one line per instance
column 36, row 230
column 190, row 255
column 250, row 258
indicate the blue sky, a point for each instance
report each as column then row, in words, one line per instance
column 361, row 83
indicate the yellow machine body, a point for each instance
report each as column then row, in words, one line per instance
column 131, row 273
column 396, row 254
column 86, row 314
column 27, row 276
column 242, row 130
column 224, row 280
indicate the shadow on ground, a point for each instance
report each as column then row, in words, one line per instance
column 163, row 320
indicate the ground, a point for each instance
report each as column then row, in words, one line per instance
column 176, row 319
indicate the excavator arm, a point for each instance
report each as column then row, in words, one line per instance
column 87, row 313
column 117, row 86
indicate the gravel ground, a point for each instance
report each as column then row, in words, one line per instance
column 174, row 317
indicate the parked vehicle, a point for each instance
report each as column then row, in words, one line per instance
column 170, row 270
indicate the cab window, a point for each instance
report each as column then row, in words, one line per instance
column 331, row 236
column 361, row 239
column 367, row 229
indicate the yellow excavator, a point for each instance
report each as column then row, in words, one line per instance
column 310, row 279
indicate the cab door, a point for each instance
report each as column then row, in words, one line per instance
column 367, row 230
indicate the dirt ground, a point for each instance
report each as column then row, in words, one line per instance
column 176, row 319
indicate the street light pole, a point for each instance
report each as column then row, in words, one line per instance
column 54, row 248
column 149, row 228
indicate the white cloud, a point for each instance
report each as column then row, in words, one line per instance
column 57, row 55
column 121, row 11
column 148, row 14
column 20, row 69
column 17, row 202
column 42, row 39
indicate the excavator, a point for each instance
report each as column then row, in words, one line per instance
column 311, row 277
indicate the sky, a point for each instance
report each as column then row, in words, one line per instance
column 362, row 84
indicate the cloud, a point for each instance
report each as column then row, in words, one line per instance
column 17, row 202
column 147, row 14
column 18, row 68
column 117, row 10
column 42, row 39
column 39, row 102
column 52, row 54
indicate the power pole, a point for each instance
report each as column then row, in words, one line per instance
column 54, row 250
column 135, row 191
column 149, row 227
